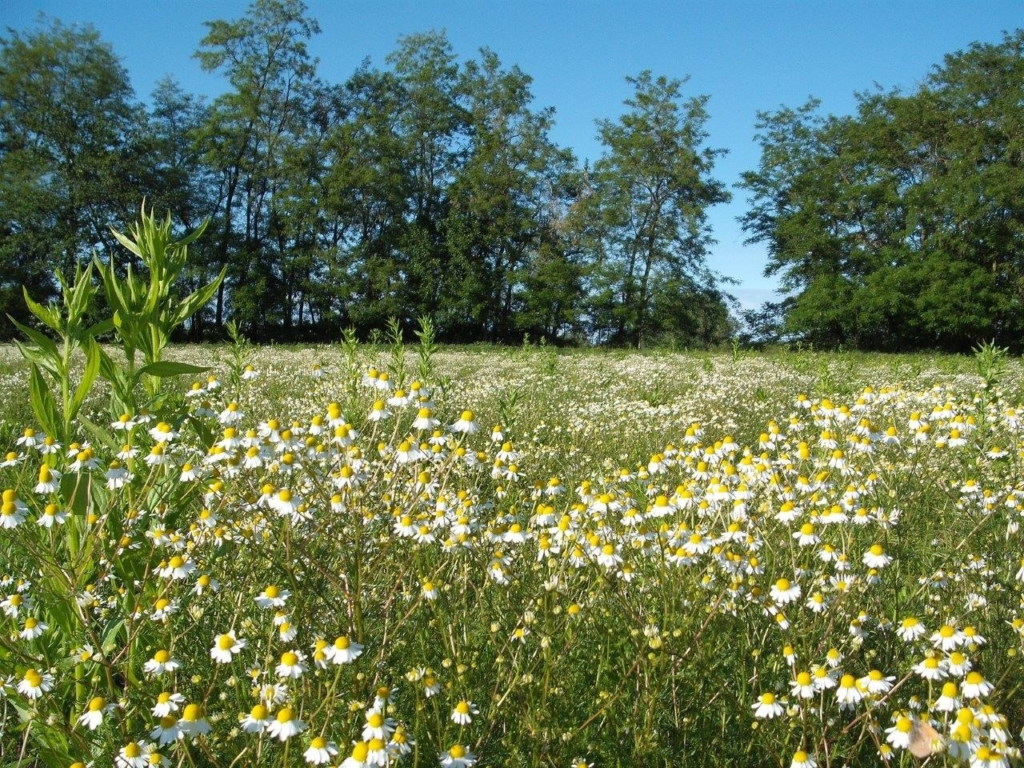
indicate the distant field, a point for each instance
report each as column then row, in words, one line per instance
column 589, row 557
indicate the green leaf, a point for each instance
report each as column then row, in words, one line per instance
column 92, row 369
column 109, row 641
column 198, row 299
column 45, row 344
column 43, row 405
column 48, row 315
column 163, row 368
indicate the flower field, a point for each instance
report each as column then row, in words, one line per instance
column 367, row 555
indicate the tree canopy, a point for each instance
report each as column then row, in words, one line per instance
column 431, row 187
column 901, row 226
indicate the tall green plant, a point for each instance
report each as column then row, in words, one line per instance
column 55, row 394
column 145, row 309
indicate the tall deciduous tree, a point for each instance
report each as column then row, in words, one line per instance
column 71, row 159
column 251, row 131
column 651, row 192
column 901, row 226
column 500, row 215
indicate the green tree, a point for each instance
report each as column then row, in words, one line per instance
column 250, row 135
column 900, row 226
column 651, row 191
column 500, row 214
column 366, row 192
column 71, row 154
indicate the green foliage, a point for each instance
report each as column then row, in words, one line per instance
column 55, row 397
column 899, row 227
column 71, row 154
column 648, row 219
column 145, row 310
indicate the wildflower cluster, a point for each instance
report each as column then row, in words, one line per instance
column 377, row 576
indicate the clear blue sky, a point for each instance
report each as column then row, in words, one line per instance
column 746, row 55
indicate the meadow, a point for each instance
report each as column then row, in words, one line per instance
column 388, row 555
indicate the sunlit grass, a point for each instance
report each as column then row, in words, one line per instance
column 604, row 557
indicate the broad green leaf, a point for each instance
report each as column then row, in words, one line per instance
column 92, row 369
column 171, row 368
column 43, row 405
column 47, row 315
column 45, row 344
column 198, row 299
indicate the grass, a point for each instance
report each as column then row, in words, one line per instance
column 634, row 618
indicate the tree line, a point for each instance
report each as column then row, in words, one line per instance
column 431, row 187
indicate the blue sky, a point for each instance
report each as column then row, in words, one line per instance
column 746, row 55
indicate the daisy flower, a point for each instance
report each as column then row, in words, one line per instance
column 464, row 712
column 52, row 515
column 948, row 700
column 465, row 425
column 93, row 715
column 875, row 682
column 12, row 514
column 343, row 650
column 320, row 751
column 166, row 731
column 802, row 759
column 803, row 686
column 957, row 664
column 32, row 628
column 930, row 668
column 161, row 663
column 783, row 591
column 166, row 703
column 847, row 693
column 875, row 557
column 974, row 686
column 947, row 638
column 400, row 744
column 910, row 629
column 33, row 685
column 176, row 568
column 822, row 678
column 377, row 726
column 291, row 665
column 257, row 720
column 193, row 721
column 273, row 597
column 49, row 480
column 285, row 725
column 132, row 755
column 225, row 647
column 13, row 604
column 766, row 707
column 898, row 734
column 457, row 756
column 357, row 758
column 163, row 432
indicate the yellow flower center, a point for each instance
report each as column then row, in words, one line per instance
column 360, row 751
column 96, row 704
